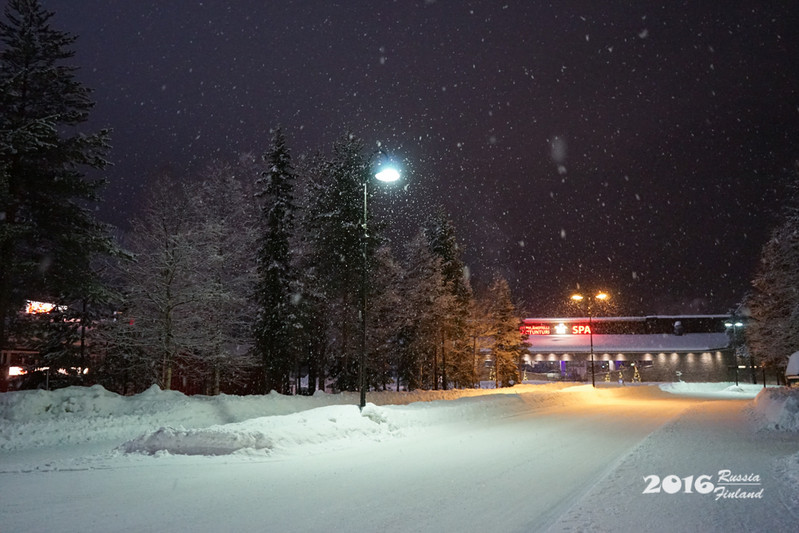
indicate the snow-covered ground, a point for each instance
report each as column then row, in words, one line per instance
column 553, row 457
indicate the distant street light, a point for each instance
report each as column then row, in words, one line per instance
column 386, row 173
column 579, row 299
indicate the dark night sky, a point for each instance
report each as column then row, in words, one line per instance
column 675, row 125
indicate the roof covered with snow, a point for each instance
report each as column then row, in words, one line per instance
column 690, row 342
column 629, row 318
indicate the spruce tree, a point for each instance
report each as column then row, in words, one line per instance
column 426, row 301
column 278, row 314
column 314, row 321
column 508, row 347
column 335, row 232
column 385, row 319
column 48, row 235
column 453, row 339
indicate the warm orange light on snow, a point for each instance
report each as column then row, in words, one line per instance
column 35, row 308
column 32, row 307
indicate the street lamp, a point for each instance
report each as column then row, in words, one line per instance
column 735, row 324
column 387, row 174
column 577, row 298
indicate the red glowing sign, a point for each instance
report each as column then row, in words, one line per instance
column 529, row 329
column 559, row 329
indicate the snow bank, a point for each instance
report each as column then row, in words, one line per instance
column 778, row 408
column 324, row 425
column 329, row 426
column 774, row 407
column 728, row 390
column 78, row 415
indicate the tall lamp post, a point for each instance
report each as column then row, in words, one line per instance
column 386, row 174
column 734, row 324
column 579, row 299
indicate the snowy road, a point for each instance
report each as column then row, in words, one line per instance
column 708, row 438
column 571, row 461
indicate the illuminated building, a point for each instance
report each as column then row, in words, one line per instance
column 663, row 348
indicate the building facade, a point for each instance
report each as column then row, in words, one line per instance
column 697, row 348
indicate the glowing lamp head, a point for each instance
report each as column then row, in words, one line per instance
column 577, row 297
column 388, row 174
column 602, row 296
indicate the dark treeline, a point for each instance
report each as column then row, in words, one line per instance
column 246, row 278
column 250, row 277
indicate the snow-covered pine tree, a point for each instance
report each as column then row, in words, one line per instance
column 508, row 347
column 385, row 311
column 773, row 334
column 314, row 323
column 334, row 233
column 277, row 316
column 457, row 365
column 426, row 301
column 48, row 233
